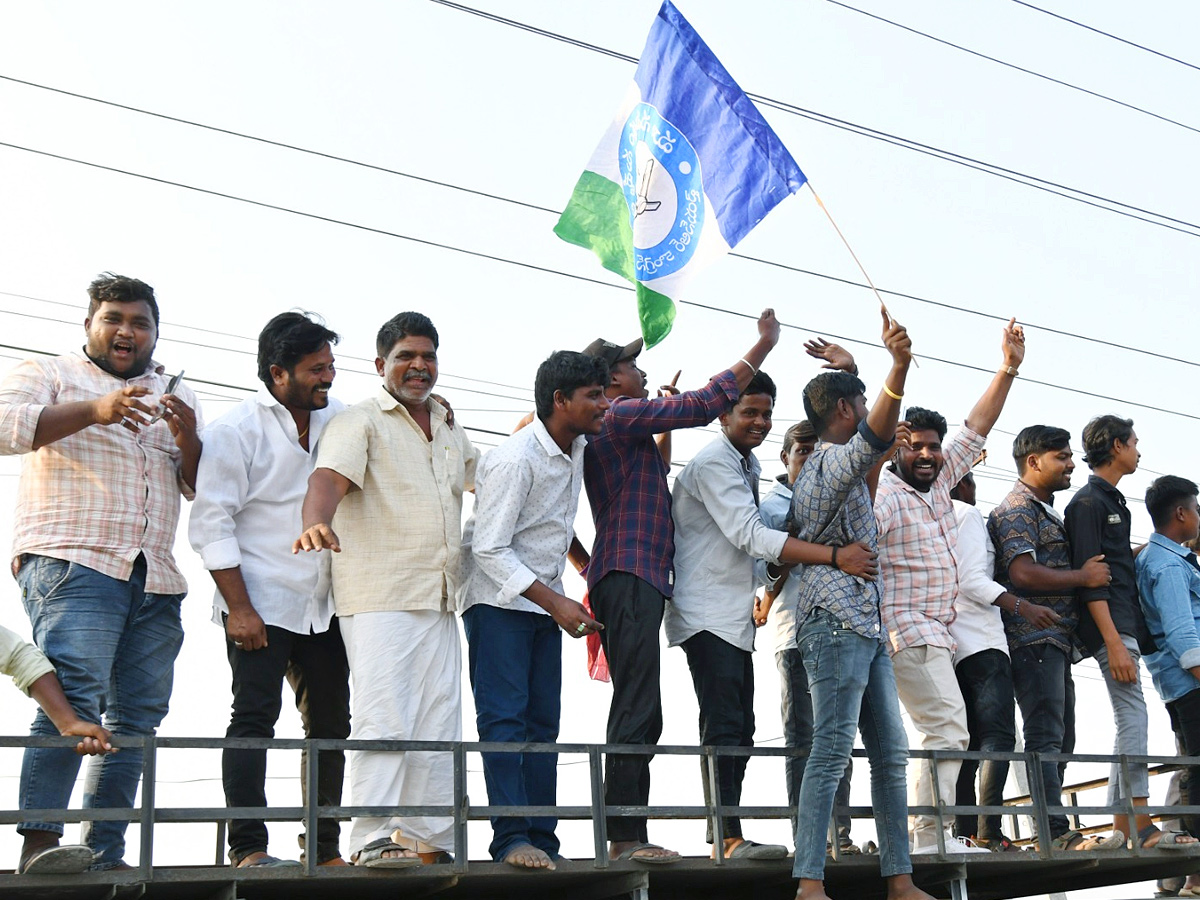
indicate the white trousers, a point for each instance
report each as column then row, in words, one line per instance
column 930, row 693
column 406, row 669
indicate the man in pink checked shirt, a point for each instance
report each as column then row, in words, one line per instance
column 917, row 537
column 107, row 454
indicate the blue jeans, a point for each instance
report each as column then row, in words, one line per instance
column 515, row 663
column 114, row 647
column 987, row 688
column 851, row 681
column 795, row 707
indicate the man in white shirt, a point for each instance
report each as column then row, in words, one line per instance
column 277, row 609
column 514, row 550
column 722, row 548
column 982, row 666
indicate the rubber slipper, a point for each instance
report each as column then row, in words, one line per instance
column 269, row 862
column 64, row 859
column 649, row 860
column 755, row 850
column 372, row 856
column 1169, row 841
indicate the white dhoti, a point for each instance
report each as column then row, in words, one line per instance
column 406, row 668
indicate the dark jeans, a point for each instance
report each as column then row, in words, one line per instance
column 515, row 661
column 1185, row 719
column 723, row 676
column 1046, row 694
column 315, row 666
column 631, row 611
column 795, row 706
column 985, row 679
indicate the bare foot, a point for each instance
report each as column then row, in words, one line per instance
column 616, row 848
column 527, row 856
column 901, row 887
column 811, row 889
column 336, row 861
column 1154, row 838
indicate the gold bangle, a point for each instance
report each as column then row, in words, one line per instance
column 887, row 390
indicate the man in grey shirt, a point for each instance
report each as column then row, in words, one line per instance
column 722, row 548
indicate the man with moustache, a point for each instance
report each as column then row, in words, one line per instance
column 107, row 455
column 1033, row 561
column 277, row 611
column 515, row 548
column 918, row 532
column 393, row 471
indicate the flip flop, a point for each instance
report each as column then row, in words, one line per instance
column 269, row 862
column 371, row 856
column 754, row 850
column 64, row 859
column 1168, row 841
column 649, row 860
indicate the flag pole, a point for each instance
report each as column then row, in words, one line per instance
column 853, row 255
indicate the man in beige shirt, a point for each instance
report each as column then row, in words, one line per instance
column 386, row 498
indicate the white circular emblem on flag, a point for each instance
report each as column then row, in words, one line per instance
column 660, row 177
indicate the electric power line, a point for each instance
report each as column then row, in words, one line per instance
column 547, row 270
column 1009, row 65
column 538, row 208
column 1108, row 35
column 1042, row 184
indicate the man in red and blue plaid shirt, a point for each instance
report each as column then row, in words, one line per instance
column 630, row 575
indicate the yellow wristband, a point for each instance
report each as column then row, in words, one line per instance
column 887, row 390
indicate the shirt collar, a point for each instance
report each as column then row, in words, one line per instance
column 1167, row 544
column 550, row 445
column 1101, row 484
column 387, row 403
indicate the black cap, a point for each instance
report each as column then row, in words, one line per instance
column 613, row 353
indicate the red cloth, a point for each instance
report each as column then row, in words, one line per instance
column 596, row 661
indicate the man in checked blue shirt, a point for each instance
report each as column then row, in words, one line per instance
column 849, row 669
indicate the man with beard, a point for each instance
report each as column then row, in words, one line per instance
column 108, row 454
column 277, row 611
column 917, row 536
column 394, row 471
column 1033, row 560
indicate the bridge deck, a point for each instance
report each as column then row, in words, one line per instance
column 988, row 878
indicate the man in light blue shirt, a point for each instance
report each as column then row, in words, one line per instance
column 1169, row 587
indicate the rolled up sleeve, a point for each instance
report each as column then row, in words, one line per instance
column 24, row 393
column 22, row 661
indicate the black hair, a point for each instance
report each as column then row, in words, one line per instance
column 954, row 492
column 1098, row 437
column 821, row 396
column 566, row 370
column 920, row 419
column 1038, row 439
column 761, row 383
column 397, row 328
column 1165, row 495
column 113, row 288
column 287, row 338
column 801, row 431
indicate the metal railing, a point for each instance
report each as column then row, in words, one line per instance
column 148, row 814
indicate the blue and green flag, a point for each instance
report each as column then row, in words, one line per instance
column 686, row 169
